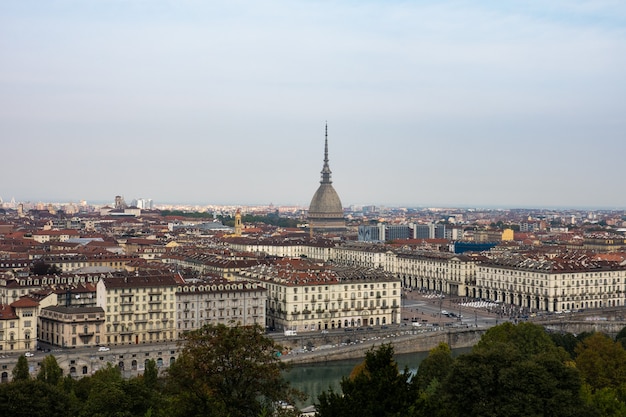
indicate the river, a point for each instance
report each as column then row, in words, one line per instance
column 315, row 378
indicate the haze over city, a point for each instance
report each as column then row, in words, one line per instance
column 428, row 104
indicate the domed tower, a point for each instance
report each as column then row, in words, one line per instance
column 325, row 210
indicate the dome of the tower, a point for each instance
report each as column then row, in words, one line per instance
column 326, row 203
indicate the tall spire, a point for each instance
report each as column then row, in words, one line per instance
column 326, row 169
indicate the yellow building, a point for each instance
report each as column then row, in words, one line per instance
column 139, row 308
column 18, row 325
column 71, row 326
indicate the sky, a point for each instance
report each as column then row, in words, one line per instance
column 428, row 103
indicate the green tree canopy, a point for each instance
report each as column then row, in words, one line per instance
column 602, row 362
column 33, row 398
column 229, row 371
column 49, row 371
column 376, row 388
column 435, row 367
column 513, row 371
column 151, row 374
column 621, row 337
column 21, row 372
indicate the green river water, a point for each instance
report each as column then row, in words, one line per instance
column 314, row 378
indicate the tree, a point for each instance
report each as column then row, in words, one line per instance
column 621, row 337
column 229, row 371
column 426, row 383
column 602, row 362
column 435, row 367
column 102, row 394
column 526, row 338
column 50, row 372
column 21, row 372
column 42, row 268
column 568, row 341
column 33, row 398
column 376, row 388
column 513, row 371
column 150, row 374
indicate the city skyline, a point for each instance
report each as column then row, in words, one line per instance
column 436, row 104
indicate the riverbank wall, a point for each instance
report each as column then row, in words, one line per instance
column 314, row 348
column 403, row 342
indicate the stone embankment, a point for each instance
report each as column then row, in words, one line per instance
column 404, row 341
column 315, row 347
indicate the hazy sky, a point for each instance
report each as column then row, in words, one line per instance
column 428, row 103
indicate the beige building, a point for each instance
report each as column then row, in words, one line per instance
column 311, row 248
column 18, row 325
column 563, row 283
column 444, row 272
column 138, row 308
column 363, row 254
column 71, row 326
column 219, row 301
column 306, row 296
column 98, row 261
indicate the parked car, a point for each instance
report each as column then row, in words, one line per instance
column 29, row 354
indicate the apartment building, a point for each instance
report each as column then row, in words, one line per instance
column 569, row 282
column 363, row 254
column 95, row 261
column 307, row 296
column 438, row 271
column 139, row 308
column 311, row 248
column 219, row 301
column 71, row 326
column 18, row 325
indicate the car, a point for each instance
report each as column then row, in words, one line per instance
column 29, row 354
column 103, row 349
